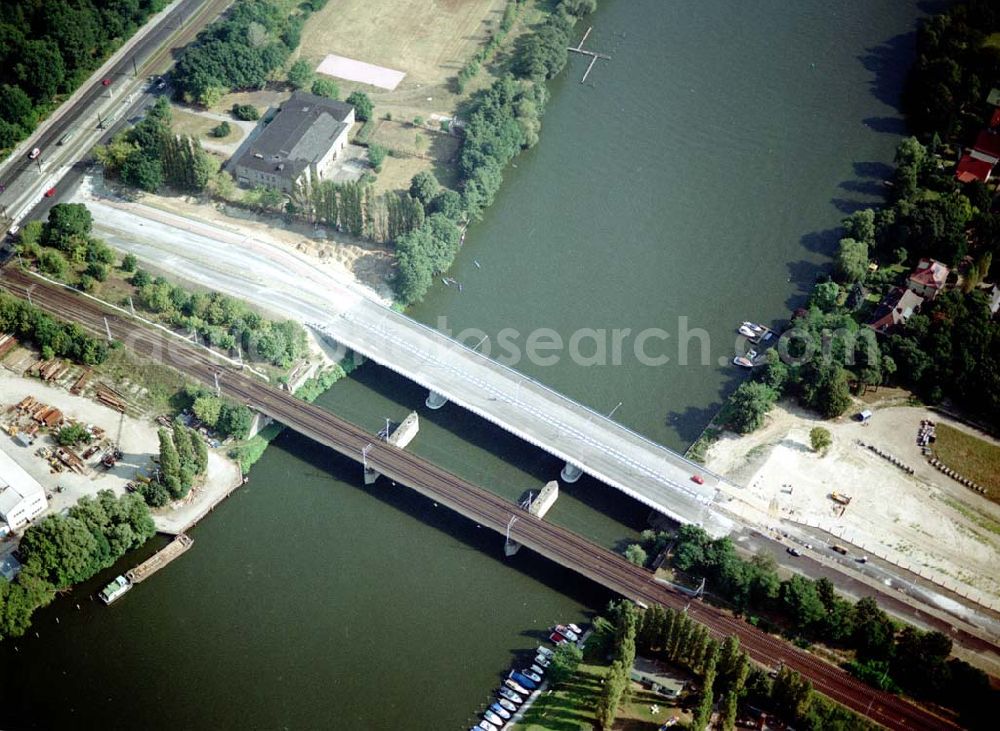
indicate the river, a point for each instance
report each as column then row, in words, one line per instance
column 700, row 173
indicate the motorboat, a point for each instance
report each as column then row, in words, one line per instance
column 545, row 651
column 541, row 660
column 758, row 329
column 537, row 670
column 575, row 628
column 517, row 687
column 493, row 718
column 487, row 726
column 558, row 638
column 115, row 590
column 510, row 696
column 523, row 680
column 747, row 332
column 506, row 702
column 532, row 676
column 742, row 361
column 567, row 632
column 500, row 711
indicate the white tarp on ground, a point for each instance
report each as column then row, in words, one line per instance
column 365, row 73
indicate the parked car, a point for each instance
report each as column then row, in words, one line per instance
column 106, row 82
column 794, row 551
column 50, row 192
column 34, row 153
column 698, row 479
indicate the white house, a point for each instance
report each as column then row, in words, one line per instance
column 21, row 497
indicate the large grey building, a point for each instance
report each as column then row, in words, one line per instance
column 300, row 144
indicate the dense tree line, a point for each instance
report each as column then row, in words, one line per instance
column 954, row 71
column 51, row 48
column 222, row 415
column 242, row 50
column 183, row 456
column 150, row 156
column 352, row 207
column 812, row 610
column 55, row 339
column 227, row 323
column 60, row 551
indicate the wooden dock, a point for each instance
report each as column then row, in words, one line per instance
column 161, row 558
column 593, row 56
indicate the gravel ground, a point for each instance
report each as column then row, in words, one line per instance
column 925, row 521
column 139, row 442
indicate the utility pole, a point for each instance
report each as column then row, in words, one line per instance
column 218, row 390
column 513, row 519
column 614, row 410
column 387, row 428
column 135, row 69
column 107, row 329
column 364, row 454
column 38, row 162
column 131, row 306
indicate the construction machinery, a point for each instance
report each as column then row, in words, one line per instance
column 114, row 453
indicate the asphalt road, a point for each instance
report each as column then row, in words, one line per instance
column 24, row 181
column 487, row 509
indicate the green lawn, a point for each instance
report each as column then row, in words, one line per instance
column 971, row 457
column 571, row 706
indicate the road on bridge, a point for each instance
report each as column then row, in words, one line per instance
column 551, row 541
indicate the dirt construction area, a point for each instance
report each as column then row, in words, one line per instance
column 925, row 522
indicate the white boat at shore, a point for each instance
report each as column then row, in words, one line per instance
column 747, row 332
column 742, row 361
column 493, row 718
column 545, row 651
column 115, row 590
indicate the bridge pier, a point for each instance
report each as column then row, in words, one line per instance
column 435, row 401
column 401, row 436
column 570, row 473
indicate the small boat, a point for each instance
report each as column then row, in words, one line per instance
column 747, row 332
column 493, row 718
column 115, row 590
column 575, row 628
column 476, row 262
column 753, row 326
column 506, row 704
column 558, row 638
column 541, row 661
column 487, row 726
column 532, row 676
column 567, row 632
column 537, row 670
column 510, row 696
column 742, row 362
column 523, row 680
column 445, row 282
column 545, row 651
column 516, row 687
column 500, row 711
column 460, row 287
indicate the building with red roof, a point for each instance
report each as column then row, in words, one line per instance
column 987, row 147
column 895, row 309
column 971, row 168
column 929, row 278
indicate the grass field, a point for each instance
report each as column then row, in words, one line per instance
column 200, row 127
column 571, row 706
column 430, row 40
column 970, row 456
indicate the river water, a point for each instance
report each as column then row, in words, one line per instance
column 699, row 174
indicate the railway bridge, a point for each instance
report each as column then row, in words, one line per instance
column 551, row 541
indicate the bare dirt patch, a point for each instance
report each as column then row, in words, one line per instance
column 200, row 127
column 970, row 456
column 418, row 148
column 924, row 521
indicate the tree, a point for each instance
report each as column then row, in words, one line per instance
column 578, row 8
column 182, row 441
column 635, row 554
column 447, row 203
column 615, row 683
column 820, row 439
column 825, row 388
column 200, row 453
column 170, row 465
column 326, row 87
column 129, row 263
column 748, row 406
column 851, row 261
column 424, row 186
column 703, row 711
column 802, row 602
column 207, row 409
column 860, row 226
column 67, row 223
column 873, row 630
column 245, row 112
column 301, row 74
column 222, row 129
column 565, row 660
column 72, row 435
column 362, row 105
column 143, row 172
column 376, row 156
column 54, row 263
column 235, row 420
column 825, row 296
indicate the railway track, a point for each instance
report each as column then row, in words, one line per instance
column 551, row 541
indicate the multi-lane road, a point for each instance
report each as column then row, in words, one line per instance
column 476, row 503
column 85, row 118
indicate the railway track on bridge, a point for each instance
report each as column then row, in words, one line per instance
column 551, row 541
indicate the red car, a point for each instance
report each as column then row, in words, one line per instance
column 106, row 82
column 698, row 479
column 50, row 192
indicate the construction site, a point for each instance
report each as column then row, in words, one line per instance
column 118, row 443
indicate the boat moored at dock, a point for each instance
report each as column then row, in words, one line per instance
column 115, row 590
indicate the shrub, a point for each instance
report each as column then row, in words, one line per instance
column 221, row 130
column 327, row 88
column 246, row 112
